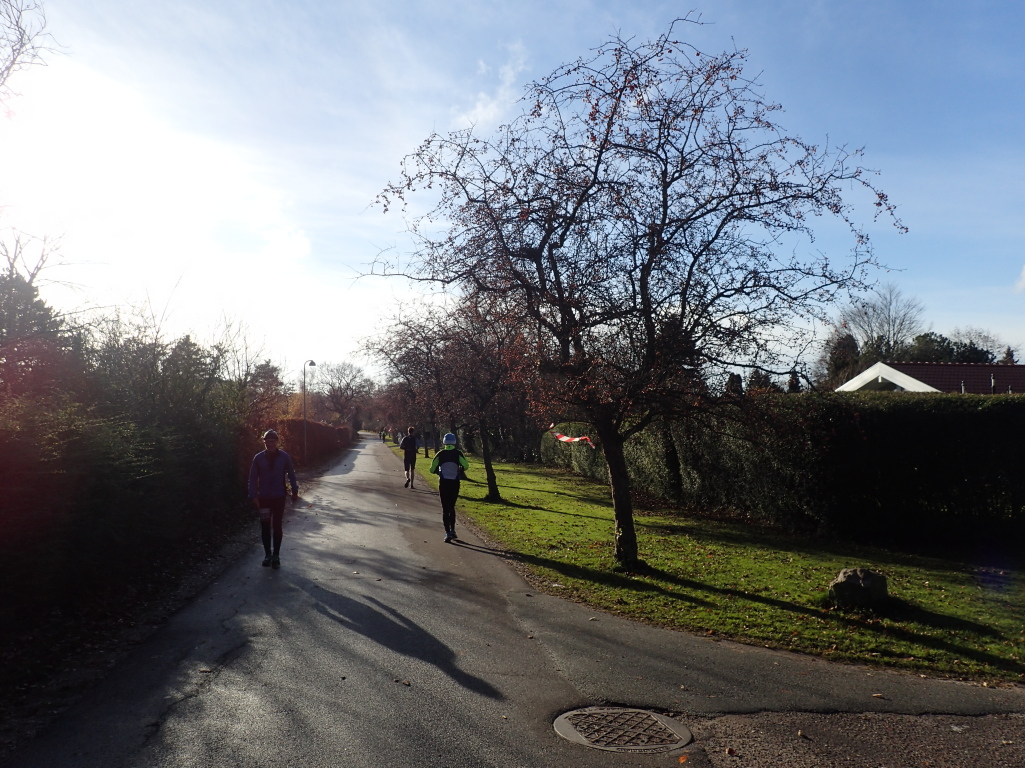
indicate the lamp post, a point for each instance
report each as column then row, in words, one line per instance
column 314, row 365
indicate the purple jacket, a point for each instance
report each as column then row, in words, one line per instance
column 267, row 478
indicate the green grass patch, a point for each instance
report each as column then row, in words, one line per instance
column 945, row 618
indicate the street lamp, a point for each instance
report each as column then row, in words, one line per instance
column 313, row 365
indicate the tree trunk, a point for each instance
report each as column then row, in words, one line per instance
column 622, row 505
column 489, row 470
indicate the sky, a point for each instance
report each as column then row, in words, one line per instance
column 217, row 162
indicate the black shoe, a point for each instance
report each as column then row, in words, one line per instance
column 275, row 562
column 266, row 561
column 406, row 484
column 449, row 535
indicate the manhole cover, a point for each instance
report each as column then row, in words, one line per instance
column 617, row 729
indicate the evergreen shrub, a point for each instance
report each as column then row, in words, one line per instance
column 883, row 467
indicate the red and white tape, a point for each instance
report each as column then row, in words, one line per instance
column 566, row 439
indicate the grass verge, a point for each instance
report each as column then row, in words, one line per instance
column 947, row 618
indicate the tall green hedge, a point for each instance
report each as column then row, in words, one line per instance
column 884, row 467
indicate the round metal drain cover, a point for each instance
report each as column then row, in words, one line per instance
column 618, row 729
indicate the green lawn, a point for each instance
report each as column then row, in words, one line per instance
column 947, row 618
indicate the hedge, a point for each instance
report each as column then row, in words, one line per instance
column 321, row 440
column 882, row 467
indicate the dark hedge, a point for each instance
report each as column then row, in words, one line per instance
column 882, row 467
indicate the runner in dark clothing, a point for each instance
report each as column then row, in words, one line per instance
column 267, row 478
column 446, row 465
column 408, row 448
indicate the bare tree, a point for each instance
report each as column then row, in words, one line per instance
column 644, row 215
column 22, row 36
column 979, row 337
column 885, row 323
column 345, row 388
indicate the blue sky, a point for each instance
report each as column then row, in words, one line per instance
column 219, row 158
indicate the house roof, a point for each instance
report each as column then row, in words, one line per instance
column 971, row 378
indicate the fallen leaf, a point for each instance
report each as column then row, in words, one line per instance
column 730, row 751
column 877, row 695
column 593, row 618
column 206, row 671
column 683, row 758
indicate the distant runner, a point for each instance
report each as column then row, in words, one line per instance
column 408, row 448
column 267, row 490
column 446, row 465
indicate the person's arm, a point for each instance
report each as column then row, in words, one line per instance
column 290, row 471
column 434, row 464
column 463, row 462
column 254, row 483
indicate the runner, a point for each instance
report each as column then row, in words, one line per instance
column 408, row 448
column 446, row 465
column 267, row 490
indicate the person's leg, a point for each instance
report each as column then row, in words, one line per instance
column 277, row 513
column 265, row 528
column 452, row 504
column 265, row 534
column 449, row 491
column 412, row 472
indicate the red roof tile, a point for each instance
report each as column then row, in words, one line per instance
column 976, row 377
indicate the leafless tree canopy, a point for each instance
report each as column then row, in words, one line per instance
column 651, row 223
column 22, row 40
column 887, row 319
column 345, row 387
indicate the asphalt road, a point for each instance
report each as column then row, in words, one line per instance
column 376, row 644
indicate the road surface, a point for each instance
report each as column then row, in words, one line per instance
column 377, row 644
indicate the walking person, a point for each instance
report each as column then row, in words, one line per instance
column 446, row 465
column 267, row 476
column 408, row 448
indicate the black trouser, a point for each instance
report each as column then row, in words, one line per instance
column 277, row 513
column 449, row 490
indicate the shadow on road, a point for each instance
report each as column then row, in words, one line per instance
column 383, row 624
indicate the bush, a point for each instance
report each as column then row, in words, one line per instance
column 650, row 456
column 318, row 442
column 881, row 467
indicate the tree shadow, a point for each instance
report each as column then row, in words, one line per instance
column 386, row 626
column 667, row 585
column 901, row 610
column 898, row 609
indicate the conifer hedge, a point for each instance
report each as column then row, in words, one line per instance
column 881, row 467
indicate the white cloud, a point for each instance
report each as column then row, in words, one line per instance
column 1020, row 285
column 490, row 108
